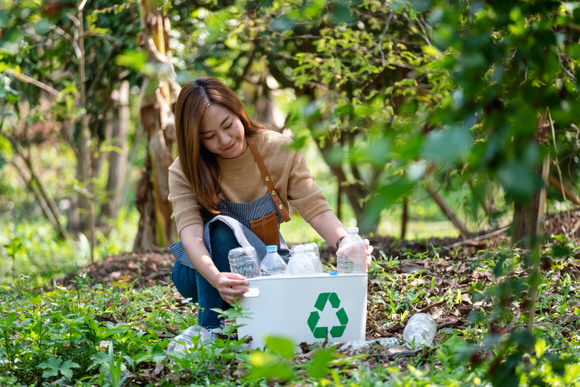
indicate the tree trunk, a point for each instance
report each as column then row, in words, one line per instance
column 47, row 204
column 404, row 218
column 528, row 227
column 118, row 157
column 528, row 220
column 355, row 192
column 85, row 201
column 156, row 228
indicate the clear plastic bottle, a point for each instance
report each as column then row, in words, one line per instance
column 244, row 261
column 420, row 329
column 314, row 254
column 300, row 261
column 273, row 264
column 354, row 256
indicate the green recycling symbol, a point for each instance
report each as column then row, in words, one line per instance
column 320, row 304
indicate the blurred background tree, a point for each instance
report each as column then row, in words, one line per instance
column 459, row 102
column 61, row 83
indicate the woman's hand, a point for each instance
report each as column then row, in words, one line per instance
column 369, row 250
column 231, row 285
column 355, row 250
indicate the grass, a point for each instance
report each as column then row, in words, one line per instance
column 117, row 334
column 32, row 248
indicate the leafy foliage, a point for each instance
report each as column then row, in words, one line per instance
column 116, row 334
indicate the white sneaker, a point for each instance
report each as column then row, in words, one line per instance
column 183, row 341
column 207, row 334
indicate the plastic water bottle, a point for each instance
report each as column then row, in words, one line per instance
column 420, row 329
column 244, row 261
column 314, row 254
column 354, row 256
column 301, row 261
column 273, row 264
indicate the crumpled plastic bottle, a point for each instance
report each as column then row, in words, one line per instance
column 420, row 329
column 244, row 261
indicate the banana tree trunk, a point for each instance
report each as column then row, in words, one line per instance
column 159, row 90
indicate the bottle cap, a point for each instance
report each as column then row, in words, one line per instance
column 272, row 248
column 353, row 230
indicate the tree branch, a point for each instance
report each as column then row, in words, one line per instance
column 26, row 79
column 447, row 210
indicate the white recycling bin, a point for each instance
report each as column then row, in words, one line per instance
column 307, row 308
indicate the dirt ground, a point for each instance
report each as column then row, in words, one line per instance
column 152, row 267
column 447, row 264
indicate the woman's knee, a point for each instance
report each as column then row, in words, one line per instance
column 222, row 240
column 184, row 280
column 220, row 234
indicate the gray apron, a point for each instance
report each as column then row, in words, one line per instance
column 237, row 217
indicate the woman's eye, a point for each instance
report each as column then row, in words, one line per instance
column 229, row 125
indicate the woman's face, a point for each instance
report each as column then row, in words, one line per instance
column 222, row 132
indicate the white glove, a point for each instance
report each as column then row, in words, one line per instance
column 357, row 251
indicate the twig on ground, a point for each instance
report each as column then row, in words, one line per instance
column 499, row 231
column 425, row 309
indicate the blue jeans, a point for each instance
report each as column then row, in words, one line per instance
column 191, row 284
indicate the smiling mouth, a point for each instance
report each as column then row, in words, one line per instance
column 230, row 147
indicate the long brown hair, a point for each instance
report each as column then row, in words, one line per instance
column 199, row 165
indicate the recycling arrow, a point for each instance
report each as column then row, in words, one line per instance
column 321, row 302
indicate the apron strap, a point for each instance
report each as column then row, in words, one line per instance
column 284, row 214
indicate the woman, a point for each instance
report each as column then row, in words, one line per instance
column 231, row 175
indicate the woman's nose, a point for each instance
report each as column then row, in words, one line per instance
column 223, row 138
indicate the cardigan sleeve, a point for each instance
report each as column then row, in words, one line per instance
column 186, row 209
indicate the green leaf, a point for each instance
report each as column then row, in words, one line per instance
column 281, row 346
column 66, row 368
column 282, row 24
column 313, row 9
column 498, row 269
column 420, row 5
column 132, row 59
column 525, row 121
column 376, row 151
column 5, row 151
column 43, row 27
column 385, row 197
column 540, row 347
column 561, row 250
column 519, row 180
column 341, row 14
column 268, row 365
column 51, row 366
column 448, row 145
column 318, row 367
